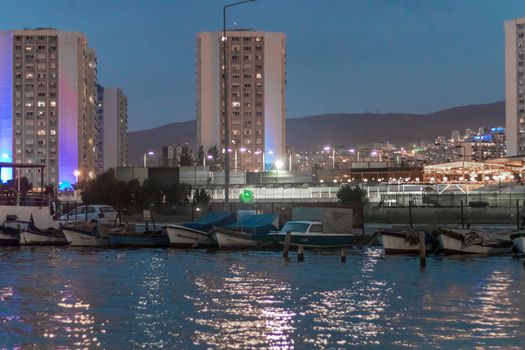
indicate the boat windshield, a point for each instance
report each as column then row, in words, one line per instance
column 295, row 227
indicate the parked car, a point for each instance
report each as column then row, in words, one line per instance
column 103, row 214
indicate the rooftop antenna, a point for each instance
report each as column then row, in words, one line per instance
column 234, row 25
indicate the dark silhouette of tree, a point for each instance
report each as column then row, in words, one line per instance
column 186, row 157
column 348, row 194
column 201, row 196
column 200, row 155
column 216, row 155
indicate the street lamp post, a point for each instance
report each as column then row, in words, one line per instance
column 226, row 119
column 150, row 153
column 327, row 148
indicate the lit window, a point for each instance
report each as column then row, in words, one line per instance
column 41, row 132
column 53, row 103
column 259, row 75
column 41, row 104
column 29, row 104
column 236, row 104
column 29, row 75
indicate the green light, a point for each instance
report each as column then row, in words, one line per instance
column 246, row 196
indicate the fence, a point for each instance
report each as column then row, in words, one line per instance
column 475, row 200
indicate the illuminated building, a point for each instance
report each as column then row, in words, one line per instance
column 515, row 86
column 112, row 129
column 256, row 96
column 47, row 103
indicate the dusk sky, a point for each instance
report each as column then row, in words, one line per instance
column 342, row 55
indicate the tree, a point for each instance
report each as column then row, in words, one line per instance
column 200, row 155
column 348, row 194
column 201, row 196
column 186, row 158
column 216, row 155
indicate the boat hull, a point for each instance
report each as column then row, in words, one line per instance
column 184, row 237
column 41, row 238
column 311, row 240
column 131, row 240
column 81, row 238
column 454, row 245
column 7, row 239
column 519, row 241
column 397, row 243
column 240, row 240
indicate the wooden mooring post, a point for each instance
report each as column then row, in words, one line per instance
column 343, row 255
column 410, row 213
column 286, row 248
column 300, row 252
column 518, row 214
column 462, row 216
column 422, row 251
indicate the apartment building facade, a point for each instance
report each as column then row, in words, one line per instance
column 112, row 128
column 256, row 81
column 47, row 104
column 515, row 86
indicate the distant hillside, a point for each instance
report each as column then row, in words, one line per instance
column 340, row 129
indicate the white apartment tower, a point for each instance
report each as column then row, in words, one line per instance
column 256, row 80
column 47, row 104
column 515, row 86
column 112, row 128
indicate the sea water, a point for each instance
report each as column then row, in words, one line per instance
column 63, row 298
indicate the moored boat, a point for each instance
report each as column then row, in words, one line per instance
column 251, row 231
column 402, row 241
column 518, row 238
column 310, row 234
column 465, row 241
column 148, row 239
column 195, row 234
column 34, row 236
column 90, row 235
column 10, row 230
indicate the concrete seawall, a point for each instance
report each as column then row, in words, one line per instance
column 432, row 215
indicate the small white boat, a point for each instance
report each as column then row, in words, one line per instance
column 402, row 241
column 465, row 241
column 195, row 234
column 93, row 235
column 518, row 238
column 251, row 231
column 10, row 230
column 185, row 237
column 33, row 236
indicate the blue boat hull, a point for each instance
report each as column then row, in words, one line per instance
column 126, row 240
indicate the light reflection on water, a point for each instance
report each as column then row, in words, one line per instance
column 154, row 299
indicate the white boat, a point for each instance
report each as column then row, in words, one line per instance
column 94, row 236
column 195, row 234
column 251, row 231
column 402, row 241
column 518, row 238
column 34, row 236
column 310, row 234
column 465, row 241
column 185, row 237
column 10, row 230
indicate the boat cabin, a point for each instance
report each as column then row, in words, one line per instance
column 303, row 227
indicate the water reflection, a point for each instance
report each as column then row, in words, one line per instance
column 63, row 299
column 243, row 310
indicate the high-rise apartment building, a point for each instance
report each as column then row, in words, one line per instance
column 515, row 86
column 112, row 128
column 256, row 81
column 47, row 104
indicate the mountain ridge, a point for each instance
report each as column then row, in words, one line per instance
column 340, row 128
